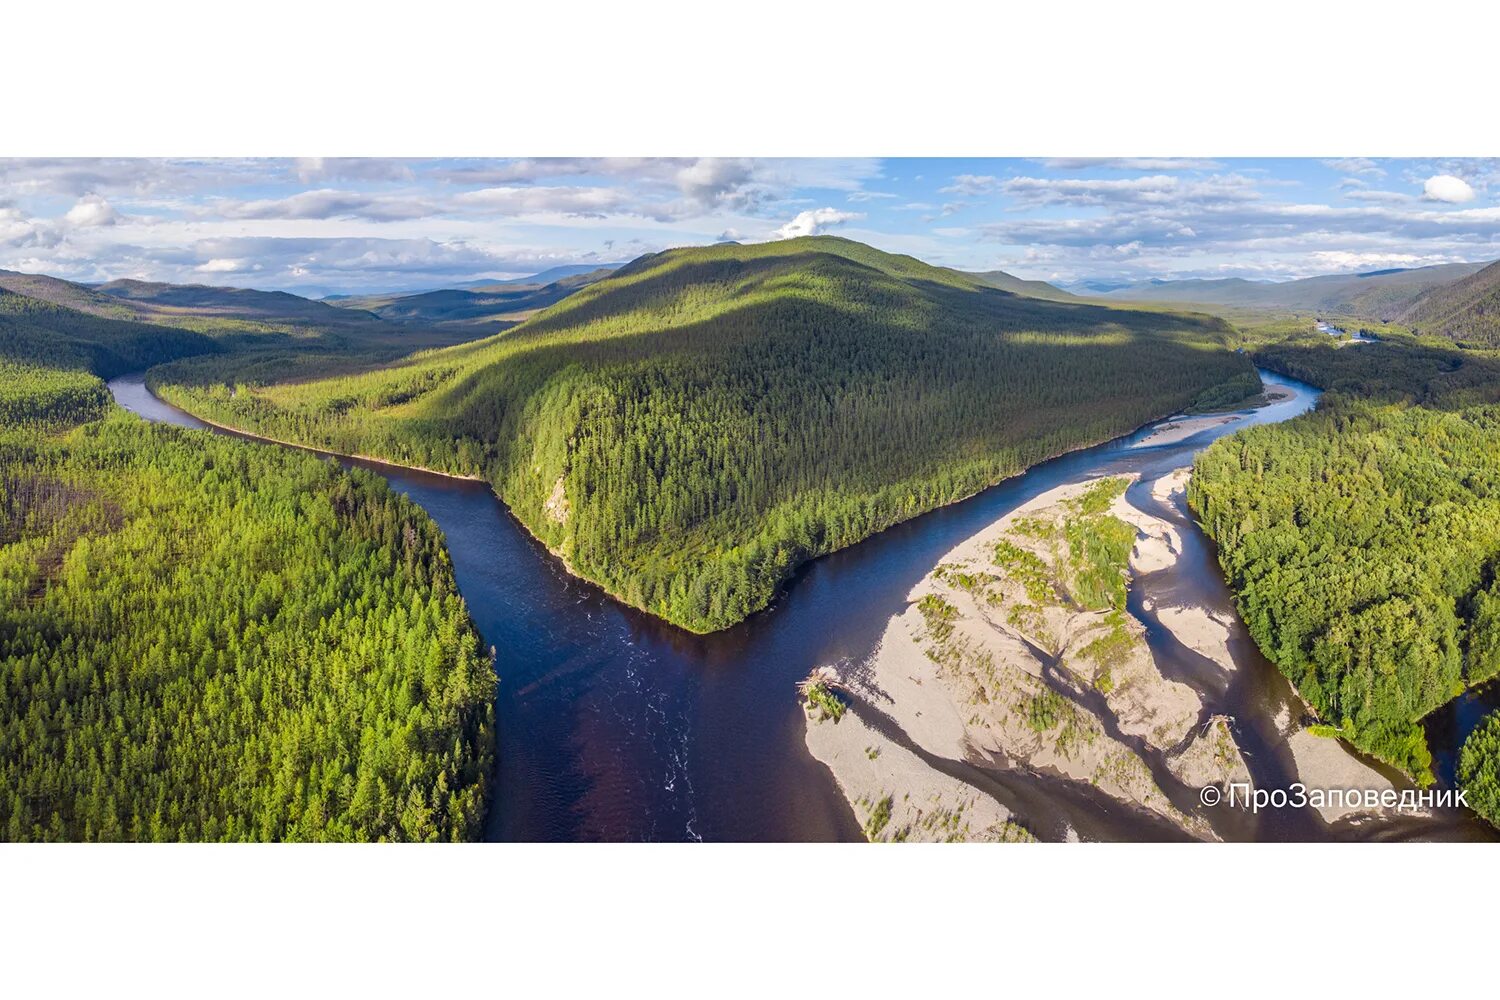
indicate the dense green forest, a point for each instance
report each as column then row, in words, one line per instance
column 1363, row 540
column 689, row 430
column 203, row 639
column 1479, row 768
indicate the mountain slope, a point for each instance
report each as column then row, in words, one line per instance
column 497, row 306
column 275, row 332
column 1466, row 310
column 1379, row 295
column 547, row 277
column 688, row 431
column 1007, row 282
column 68, row 294
column 38, row 331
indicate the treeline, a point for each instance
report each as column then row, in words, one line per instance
column 203, row 639
column 1363, row 540
column 690, row 430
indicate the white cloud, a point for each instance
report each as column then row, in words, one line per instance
column 225, row 265
column 1355, row 165
column 326, row 203
column 1343, row 260
column 1446, row 187
column 91, row 210
column 544, row 200
column 16, row 230
column 815, row 221
column 312, row 168
column 1131, row 163
column 971, row 185
column 1386, row 197
column 1157, row 189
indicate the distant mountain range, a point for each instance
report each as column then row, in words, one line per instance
column 495, row 306
column 1020, row 286
column 539, row 279
column 1382, row 295
column 1457, row 301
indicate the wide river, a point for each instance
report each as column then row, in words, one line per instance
column 615, row 726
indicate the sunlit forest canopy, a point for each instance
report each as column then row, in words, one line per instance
column 1363, row 540
column 689, row 430
column 207, row 639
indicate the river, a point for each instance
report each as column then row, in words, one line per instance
column 613, row 725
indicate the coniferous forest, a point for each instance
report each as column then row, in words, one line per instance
column 691, row 429
column 1363, row 540
column 206, row 639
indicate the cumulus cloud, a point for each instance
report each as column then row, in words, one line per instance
column 710, row 183
column 225, row 265
column 91, row 210
column 18, row 231
column 815, row 221
column 1447, row 188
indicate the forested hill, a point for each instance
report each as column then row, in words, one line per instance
column 691, row 429
column 1363, row 540
column 1467, row 310
column 36, row 331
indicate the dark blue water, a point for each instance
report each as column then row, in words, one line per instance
column 615, row 726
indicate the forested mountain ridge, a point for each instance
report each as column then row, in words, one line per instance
column 1378, row 295
column 689, row 430
column 1363, row 540
column 1467, row 310
column 206, row 639
column 38, row 331
column 162, row 300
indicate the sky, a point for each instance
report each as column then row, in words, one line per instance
column 322, row 226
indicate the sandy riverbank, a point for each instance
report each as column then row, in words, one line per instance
column 1321, row 762
column 1183, row 426
column 998, row 660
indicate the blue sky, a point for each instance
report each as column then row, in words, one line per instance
column 318, row 226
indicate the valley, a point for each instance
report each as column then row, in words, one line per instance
column 679, row 489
